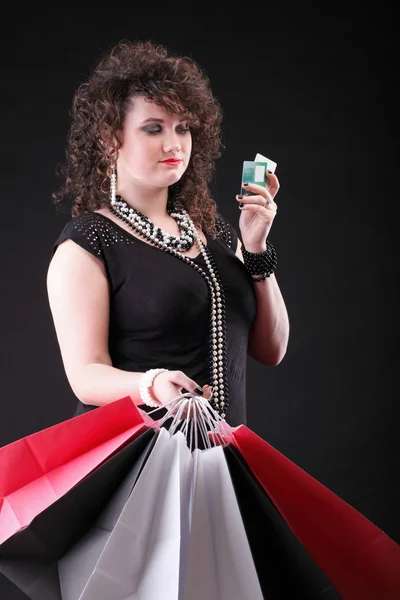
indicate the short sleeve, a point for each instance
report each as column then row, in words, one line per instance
column 84, row 231
column 226, row 232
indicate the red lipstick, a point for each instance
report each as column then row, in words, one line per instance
column 174, row 162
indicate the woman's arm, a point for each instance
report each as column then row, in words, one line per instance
column 269, row 334
column 78, row 293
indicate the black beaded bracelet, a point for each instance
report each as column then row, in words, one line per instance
column 260, row 265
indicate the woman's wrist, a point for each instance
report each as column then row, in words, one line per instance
column 256, row 249
column 145, row 384
column 260, row 265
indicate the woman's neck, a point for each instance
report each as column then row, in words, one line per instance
column 151, row 203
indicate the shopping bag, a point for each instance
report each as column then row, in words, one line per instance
column 31, row 557
column 361, row 560
column 38, row 469
column 220, row 564
column 284, row 567
column 136, row 550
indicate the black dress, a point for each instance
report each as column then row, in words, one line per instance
column 159, row 305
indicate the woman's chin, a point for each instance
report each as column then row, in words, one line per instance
column 173, row 178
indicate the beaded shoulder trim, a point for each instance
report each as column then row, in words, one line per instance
column 224, row 231
column 98, row 232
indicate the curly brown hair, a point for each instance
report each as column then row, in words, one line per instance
column 178, row 84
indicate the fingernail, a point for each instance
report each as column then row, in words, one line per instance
column 199, row 391
column 240, row 196
column 270, row 172
column 241, row 204
column 245, row 184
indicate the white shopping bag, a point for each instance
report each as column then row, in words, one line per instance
column 220, row 564
column 142, row 555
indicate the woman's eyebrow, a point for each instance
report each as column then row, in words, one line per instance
column 157, row 120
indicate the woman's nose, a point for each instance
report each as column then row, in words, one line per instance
column 172, row 144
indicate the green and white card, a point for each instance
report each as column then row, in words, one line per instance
column 254, row 172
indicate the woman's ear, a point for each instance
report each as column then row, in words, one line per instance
column 109, row 143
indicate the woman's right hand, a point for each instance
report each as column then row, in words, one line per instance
column 169, row 385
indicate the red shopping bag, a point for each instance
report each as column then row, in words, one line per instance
column 38, row 469
column 359, row 558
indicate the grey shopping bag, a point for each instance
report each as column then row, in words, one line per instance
column 137, row 548
column 220, row 563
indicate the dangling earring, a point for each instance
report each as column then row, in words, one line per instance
column 113, row 186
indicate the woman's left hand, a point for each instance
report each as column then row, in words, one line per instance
column 258, row 213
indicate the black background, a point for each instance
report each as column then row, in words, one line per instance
column 315, row 91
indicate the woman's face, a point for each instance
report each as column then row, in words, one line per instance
column 150, row 136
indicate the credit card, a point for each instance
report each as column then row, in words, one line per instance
column 253, row 172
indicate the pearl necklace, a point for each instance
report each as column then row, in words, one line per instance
column 183, row 242
column 217, row 347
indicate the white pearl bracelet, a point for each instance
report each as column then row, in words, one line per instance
column 145, row 382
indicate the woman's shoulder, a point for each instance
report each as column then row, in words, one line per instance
column 225, row 231
column 83, row 223
column 98, row 224
column 93, row 231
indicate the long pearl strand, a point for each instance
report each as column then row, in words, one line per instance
column 217, row 349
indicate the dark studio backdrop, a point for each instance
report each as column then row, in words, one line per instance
column 314, row 92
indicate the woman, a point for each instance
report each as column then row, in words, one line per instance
column 151, row 293
column 150, row 290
